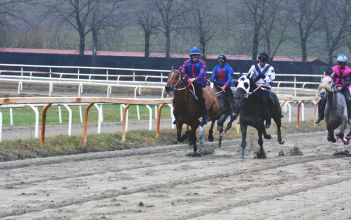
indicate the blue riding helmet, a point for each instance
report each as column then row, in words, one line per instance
column 194, row 51
column 342, row 58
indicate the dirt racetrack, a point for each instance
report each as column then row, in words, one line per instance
column 164, row 183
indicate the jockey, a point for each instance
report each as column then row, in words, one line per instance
column 194, row 72
column 262, row 75
column 222, row 75
column 341, row 75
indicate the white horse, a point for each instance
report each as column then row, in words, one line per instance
column 335, row 111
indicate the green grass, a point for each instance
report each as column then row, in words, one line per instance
column 111, row 113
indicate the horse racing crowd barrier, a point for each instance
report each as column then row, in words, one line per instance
column 137, row 79
column 90, row 101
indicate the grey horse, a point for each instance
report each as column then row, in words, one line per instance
column 335, row 111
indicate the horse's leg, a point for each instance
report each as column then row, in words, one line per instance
column 210, row 132
column 220, row 124
column 179, row 131
column 243, row 128
column 278, row 121
column 331, row 137
column 266, row 135
column 229, row 124
column 194, row 127
column 260, row 154
column 342, row 132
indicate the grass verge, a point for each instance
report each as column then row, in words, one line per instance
column 64, row 145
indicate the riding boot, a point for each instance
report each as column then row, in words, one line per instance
column 321, row 107
column 270, row 103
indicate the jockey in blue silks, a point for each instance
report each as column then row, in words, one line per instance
column 262, row 75
column 194, row 71
column 222, row 76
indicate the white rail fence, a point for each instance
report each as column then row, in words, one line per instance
column 136, row 79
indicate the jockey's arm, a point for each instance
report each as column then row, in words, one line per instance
column 203, row 71
column 252, row 73
column 270, row 75
column 230, row 77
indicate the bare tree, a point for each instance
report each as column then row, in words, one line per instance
column 74, row 12
column 171, row 13
column 104, row 15
column 256, row 14
column 147, row 21
column 203, row 23
column 9, row 11
column 305, row 15
column 336, row 25
column 275, row 27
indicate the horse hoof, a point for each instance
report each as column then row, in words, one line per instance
column 210, row 138
column 331, row 139
column 346, row 141
column 195, row 154
column 267, row 136
column 281, row 142
column 260, row 155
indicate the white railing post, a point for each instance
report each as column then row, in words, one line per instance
column 109, row 90
column 36, row 111
column 80, row 114
column 20, row 87
column 59, row 114
column 137, row 107
column 50, row 72
column 99, row 117
column 69, row 119
column 51, row 88
column 11, row 116
column 133, row 75
column 150, row 116
column 78, row 72
column 127, row 116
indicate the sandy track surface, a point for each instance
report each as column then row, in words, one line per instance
column 164, row 183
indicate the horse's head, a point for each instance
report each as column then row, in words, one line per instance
column 242, row 91
column 174, row 78
column 326, row 85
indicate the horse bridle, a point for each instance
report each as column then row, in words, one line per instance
column 185, row 87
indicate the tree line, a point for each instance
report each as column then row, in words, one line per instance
column 238, row 26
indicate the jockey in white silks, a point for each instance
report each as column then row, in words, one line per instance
column 262, row 74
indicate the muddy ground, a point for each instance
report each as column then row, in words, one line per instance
column 164, row 183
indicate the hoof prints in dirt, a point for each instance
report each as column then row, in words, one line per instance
column 203, row 151
column 344, row 153
column 295, row 151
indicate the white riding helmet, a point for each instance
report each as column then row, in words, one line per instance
column 342, row 58
column 244, row 84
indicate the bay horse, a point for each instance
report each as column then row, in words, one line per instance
column 253, row 111
column 335, row 111
column 186, row 108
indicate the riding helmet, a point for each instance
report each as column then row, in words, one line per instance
column 194, row 51
column 263, row 57
column 342, row 58
column 221, row 57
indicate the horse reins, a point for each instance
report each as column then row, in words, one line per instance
column 185, row 87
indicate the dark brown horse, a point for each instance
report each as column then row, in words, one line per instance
column 186, row 108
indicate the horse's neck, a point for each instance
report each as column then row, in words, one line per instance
column 332, row 99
